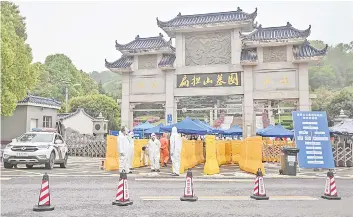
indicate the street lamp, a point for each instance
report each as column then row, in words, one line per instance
column 67, row 95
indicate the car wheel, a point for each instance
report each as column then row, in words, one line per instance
column 29, row 166
column 64, row 165
column 51, row 161
column 8, row 165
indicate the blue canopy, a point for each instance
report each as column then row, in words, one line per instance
column 155, row 129
column 259, row 131
column 186, row 126
column 277, row 131
column 143, row 126
column 235, row 130
column 206, row 126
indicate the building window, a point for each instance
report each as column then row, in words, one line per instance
column 47, row 121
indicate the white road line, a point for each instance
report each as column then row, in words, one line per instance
column 231, row 198
column 5, row 179
column 195, row 180
column 68, row 175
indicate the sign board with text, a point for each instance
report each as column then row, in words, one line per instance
column 225, row 79
column 312, row 137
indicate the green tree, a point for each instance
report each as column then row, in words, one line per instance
column 17, row 72
column 94, row 104
column 342, row 100
column 100, row 88
column 57, row 72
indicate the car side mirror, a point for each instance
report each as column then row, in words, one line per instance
column 14, row 140
column 58, row 141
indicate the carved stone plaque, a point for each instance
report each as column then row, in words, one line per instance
column 208, row 48
column 147, row 85
column 147, row 62
column 277, row 80
column 275, row 54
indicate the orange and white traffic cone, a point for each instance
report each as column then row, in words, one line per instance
column 189, row 188
column 44, row 196
column 122, row 196
column 259, row 190
column 330, row 188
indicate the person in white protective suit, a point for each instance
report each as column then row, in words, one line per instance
column 131, row 150
column 154, row 147
column 175, row 151
column 123, row 148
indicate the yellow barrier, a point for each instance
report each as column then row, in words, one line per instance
column 228, row 150
column 236, row 154
column 112, row 157
column 211, row 166
column 183, row 159
column 199, row 151
column 252, row 159
column 271, row 150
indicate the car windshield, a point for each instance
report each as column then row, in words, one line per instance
column 36, row 137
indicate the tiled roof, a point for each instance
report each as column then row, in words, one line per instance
column 142, row 44
column 64, row 116
column 276, row 33
column 249, row 55
column 167, row 60
column 40, row 101
column 305, row 50
column 123, row 63
column 210, row 18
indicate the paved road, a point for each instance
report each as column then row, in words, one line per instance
column 92, row 196
column 89, row 167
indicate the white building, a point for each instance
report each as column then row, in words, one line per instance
column 78, row 120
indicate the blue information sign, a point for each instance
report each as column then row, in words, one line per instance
column 169, row 118
column 312, row 137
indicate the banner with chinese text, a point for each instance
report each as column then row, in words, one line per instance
column 225, row 79
column 312, row 137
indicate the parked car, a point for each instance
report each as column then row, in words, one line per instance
column 40, row 146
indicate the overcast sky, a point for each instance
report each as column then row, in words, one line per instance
column 86, row 31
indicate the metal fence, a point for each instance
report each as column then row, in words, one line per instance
column 84, row 145
column 343, row 151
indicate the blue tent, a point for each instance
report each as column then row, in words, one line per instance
column 259, row 131
column 235, row 130
column 206, row 126
column 143, row 126
column 155, row 129
column 277, row 131
column 186, row 126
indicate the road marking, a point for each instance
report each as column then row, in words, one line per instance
column 195, row 180
column 67, row 175
column 4, row 179
column 232, row 198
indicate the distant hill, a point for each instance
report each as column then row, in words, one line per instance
column 111, row 82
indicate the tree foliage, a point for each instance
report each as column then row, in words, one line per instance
column 94, row 104
column 17, row 72
column 57, row 72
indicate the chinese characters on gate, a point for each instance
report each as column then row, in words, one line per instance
column 313, row 139
column 227, row 79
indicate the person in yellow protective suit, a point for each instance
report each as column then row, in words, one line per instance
column 164, row 150
column 175, row 151
column 123, row 148
column 154, row 147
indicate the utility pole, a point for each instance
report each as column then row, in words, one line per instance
column 66, row 98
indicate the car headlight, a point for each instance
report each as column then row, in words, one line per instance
column 43, row 146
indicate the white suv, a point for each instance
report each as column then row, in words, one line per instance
column 35, row 148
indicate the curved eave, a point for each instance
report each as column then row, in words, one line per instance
column 246, row 24
column 164, row 68
column 275, row 42
column 120, row 70
column 308, row 59
column 248, row 62
column 147, row 51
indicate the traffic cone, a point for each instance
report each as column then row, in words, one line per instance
column 330, row 187
column 44, row 196
column 189, row 188
column 259, row 190
column 122, row 196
